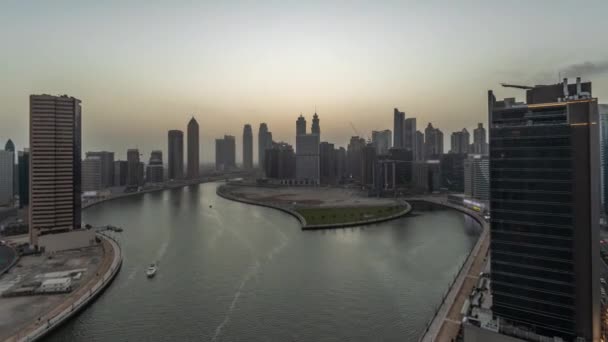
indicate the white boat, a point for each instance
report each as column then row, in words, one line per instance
column 151, row 270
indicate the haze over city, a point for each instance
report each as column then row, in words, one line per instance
column 142, row 68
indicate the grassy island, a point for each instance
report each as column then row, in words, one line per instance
column 340, row 215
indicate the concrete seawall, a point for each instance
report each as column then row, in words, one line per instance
column 82, row 301
column 302, row 220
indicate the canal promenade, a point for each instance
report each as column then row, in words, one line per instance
column 445, row 324
column 40, row 326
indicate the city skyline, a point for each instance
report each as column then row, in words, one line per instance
column 316, row 53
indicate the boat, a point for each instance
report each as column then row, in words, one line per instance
column 210, row 206
column 151, row 270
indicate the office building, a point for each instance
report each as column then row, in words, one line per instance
column 175, row 152
column 92, row 173
column 544, row 181
column 247, row 147
column 460, row 142
column 477, row 177
column 354, row 156
column 433, row 142
column 225, row 153
column 155, row 171
column 398, row 128
column 193, row 149
column 480, row 144
column 133, row 172
column 120, row 172
column 55, row 166
column 280, row 162
column 264, row 143
column 603, row 113
column 6, row 177
column 107, row 167
column 24, row 178
column 382, row 141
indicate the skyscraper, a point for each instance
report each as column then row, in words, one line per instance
column 460, row 141
column 10, row 146
column 354, row 156
column 280, row 162
column 300, row 125
column 247, row 147
column 92, row 173
column 155, row 171
column 480, row 145
column 176, row 154
column 382, row 141
column 264, row 142
column 409, row 134
column 419, row 148
column 544, row 181
column 133, row 166
column 315, row 128
column 6, row 177
column 55, row 165
column 603, row 113
column 225, row 153
column 24, row 178
column 433, row 142
column 477, row 177
column 398, row 128
column 327, row 163
column 193, row 149
column 107, row 167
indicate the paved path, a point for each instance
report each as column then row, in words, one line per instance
column 78, row 299
column 446, row 323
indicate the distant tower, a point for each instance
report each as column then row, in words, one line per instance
column 263, row 143
column 176, row 154
column 247, row 147
column 301, row 126
column 316, row 129
column 193, row 149
column 398, row 128
column 10, row 147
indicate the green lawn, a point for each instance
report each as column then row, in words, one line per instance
column 316, row 216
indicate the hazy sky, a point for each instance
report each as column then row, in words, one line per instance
column 143, row 68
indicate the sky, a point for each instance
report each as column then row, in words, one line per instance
column 142, row 68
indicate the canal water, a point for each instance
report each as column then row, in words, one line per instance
column 235, row 272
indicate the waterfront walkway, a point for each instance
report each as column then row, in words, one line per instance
column 445, row 325
column 109, row 267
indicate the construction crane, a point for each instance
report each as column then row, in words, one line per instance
column 506, row 85
column 354, row 129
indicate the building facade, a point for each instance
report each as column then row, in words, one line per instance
column 55, row 165
column 480, row 143
column 409, row 134
column 133, row 172
column 280, row 162
column 477, row 177
column 327, row 164
column 398, row 128
column 603, row 113
column 155, row 172
column 92, row 174
column 460, row 142
column 120, row 172
column 225, row 153
column 433, row 142
column 264, row 143
column 107, row 167
column 354, row 156
column 6, row 177
column 24, row 178
column 193, row 149
column 544, row 181
column 175, row 167
column 382, row 141
column 419, row 148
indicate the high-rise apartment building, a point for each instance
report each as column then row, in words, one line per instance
column 154, row 171
column 55, row 165
column 193, row 149
column 176, row 154
column 133, row 172
column 6, row 177
column 398, row 128
column 544, row 181
column 460, row 141
column 92, row 171
column 225, row 153
column 247, row 147
column 107, row 167
column 382, row 141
